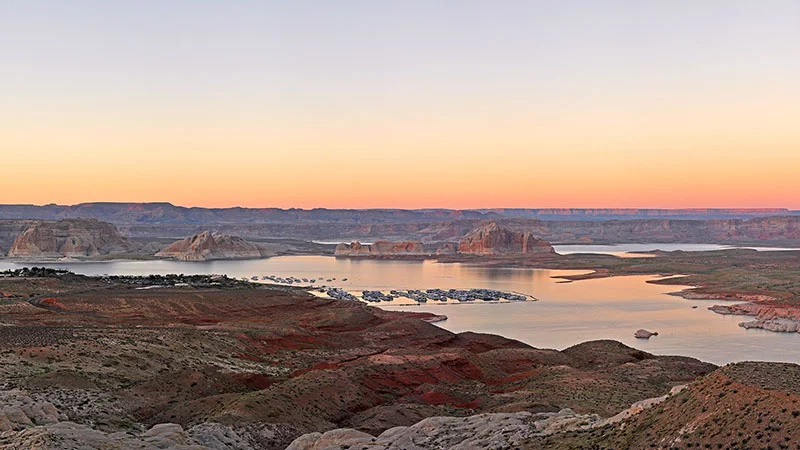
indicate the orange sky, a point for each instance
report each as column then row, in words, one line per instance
column 612, row 155
column 653, row 106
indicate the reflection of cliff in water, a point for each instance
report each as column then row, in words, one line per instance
column 566, row 313
column 503, row 273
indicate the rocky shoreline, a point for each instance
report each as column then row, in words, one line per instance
column 780, row 319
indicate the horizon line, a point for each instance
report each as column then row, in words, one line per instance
column 623, row 208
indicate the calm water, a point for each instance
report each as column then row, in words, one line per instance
column 566, row 313
column 633, row 250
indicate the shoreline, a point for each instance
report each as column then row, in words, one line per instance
column 764, row 289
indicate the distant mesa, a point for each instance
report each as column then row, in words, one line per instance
column 208, row 246
column 491, row 239
column 69, row 238
column 381, row 248
column 142, row 221
column 166, row 213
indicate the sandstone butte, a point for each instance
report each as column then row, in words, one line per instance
column 381, row 248
column 69, row 238
column 207, row 246
column 492, row 239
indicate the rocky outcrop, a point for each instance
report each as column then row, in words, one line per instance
column 447, row 248
column 28, row 423
column 770, row 317
column 644, row 334
column 481, row 431
column 776, row 325
column 75, row 238
column 491, row 430
column 10, row 230
column 19, row 411
column 208, row 246
column 39, row 425
column 381, row 248
column 492, row 239
column 742, row 405
column 171, row 436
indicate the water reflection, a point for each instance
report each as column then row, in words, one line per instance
column 635, row 250
column 567, row 313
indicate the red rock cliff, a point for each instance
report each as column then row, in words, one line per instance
column 69, row 238
column 208, row 245
column 380, row 248
column 492, row 239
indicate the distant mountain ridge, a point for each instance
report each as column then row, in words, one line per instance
column 774, row 231
column 638, row 213
column 167, row 213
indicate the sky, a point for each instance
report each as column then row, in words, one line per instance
column 408, row 104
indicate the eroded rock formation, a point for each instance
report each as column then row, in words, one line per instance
column 492, row 239
column 381, row 248
column 207, row 246
column 448, row 248
column 490, row 430
column 644, row 334
column 769, row 316
column 10, row 230
column 69, row 238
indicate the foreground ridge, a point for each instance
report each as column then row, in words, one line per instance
column 193, row 356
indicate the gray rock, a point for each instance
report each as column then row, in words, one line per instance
column 777, row 325
column 483, row 431
column 644, row 334
column 18, row 411
column 339, row 438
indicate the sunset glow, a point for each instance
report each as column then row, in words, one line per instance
column 402, row 104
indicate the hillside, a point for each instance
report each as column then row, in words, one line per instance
column 744, row 405
column 265, row 365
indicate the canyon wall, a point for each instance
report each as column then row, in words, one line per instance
column 147, row 221
column 166, row 213
column 381, row 248
column 68, row 238
column 492, row 239
column 10, row 230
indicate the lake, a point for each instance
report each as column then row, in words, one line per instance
column 566, row 313
column 635, row 250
